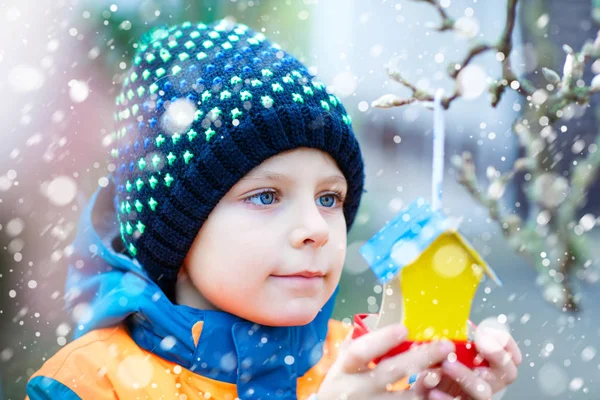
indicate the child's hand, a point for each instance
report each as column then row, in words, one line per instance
column 454, row 379
column 502, row 352
column 351, row 377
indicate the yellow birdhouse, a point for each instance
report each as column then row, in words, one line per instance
column 439, row 271
column 438, row 288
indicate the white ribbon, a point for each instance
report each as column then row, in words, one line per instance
column 438, row 151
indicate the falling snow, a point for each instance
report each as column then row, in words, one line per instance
column 57, row 126
column 179, row 116
column 78, row 91
column 61, row 191
column 472, row 81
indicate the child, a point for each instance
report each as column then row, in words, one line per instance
column 238, row 173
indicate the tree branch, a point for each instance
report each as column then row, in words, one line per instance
column 454, row 69
column 447, row 22
column 550, row 228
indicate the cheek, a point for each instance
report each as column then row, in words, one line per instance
column 337, row 248
column 227, row 285
column 245, row 255
column 339, row 239
column 229, row 260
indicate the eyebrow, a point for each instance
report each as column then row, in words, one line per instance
column 277, row 177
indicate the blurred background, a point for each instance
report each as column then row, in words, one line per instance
column 58, row 62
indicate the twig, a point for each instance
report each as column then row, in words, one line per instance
column 468, row 178
column 447, row 22
column 454, row 69
column 504, row 46
column 417, row 95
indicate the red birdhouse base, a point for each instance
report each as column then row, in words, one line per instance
column 466, row 353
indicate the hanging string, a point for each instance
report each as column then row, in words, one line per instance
column 438, row 151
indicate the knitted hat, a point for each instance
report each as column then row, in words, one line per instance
column 200, row 107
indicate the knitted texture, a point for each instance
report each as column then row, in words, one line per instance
column 201, row 106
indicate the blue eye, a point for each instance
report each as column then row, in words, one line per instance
column 328, row 200
column 262, row 199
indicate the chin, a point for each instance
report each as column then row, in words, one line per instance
column 297, row 320
column 289, row 317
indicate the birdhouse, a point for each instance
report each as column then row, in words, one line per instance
column 439, row 273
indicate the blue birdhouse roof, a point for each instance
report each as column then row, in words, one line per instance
column 402, row 240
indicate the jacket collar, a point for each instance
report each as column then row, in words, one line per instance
column 112, row 288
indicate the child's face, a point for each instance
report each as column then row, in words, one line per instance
column 282, row 220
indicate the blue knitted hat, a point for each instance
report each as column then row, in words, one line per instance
column 201, row 107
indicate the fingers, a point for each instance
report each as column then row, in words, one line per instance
column 488, row 375
column 489, row 341
column 439, row 395
column 362, row 350
column 436, row 379
column 513, row 348
column 415, row 360
column 504, row 366
column 470, row 383
column 503, row 363
column 405, row 395
column 449, row 386
column 427, row 380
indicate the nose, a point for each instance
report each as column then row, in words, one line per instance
column 312, row 229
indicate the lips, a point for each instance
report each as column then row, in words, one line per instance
column 303, row 274
column 303, row 283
